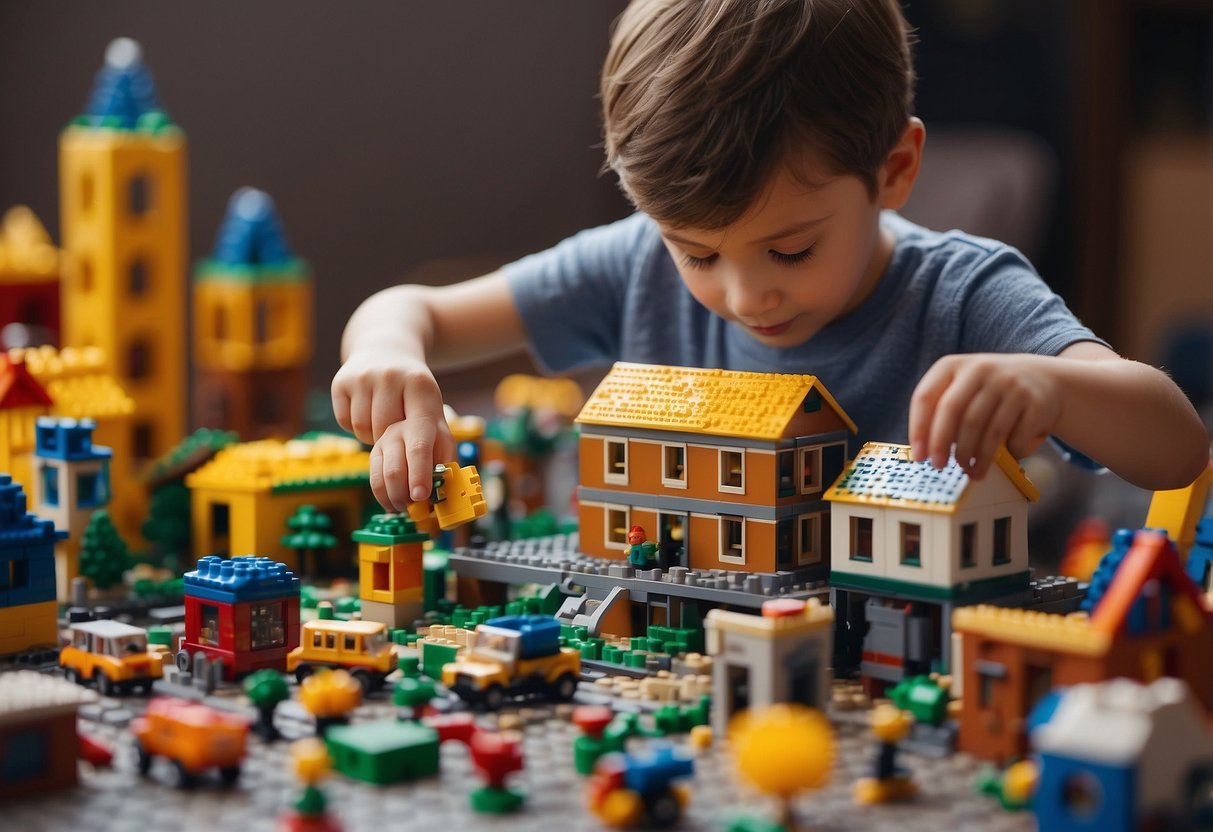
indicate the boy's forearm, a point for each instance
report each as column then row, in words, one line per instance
column 1131, row 418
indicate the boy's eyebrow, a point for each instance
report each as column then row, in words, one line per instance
column 795, row 228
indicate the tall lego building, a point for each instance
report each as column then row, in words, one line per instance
column 252, row 325
column 122, row 179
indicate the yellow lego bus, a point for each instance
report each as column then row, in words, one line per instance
column 361, row 647
column 113, row 654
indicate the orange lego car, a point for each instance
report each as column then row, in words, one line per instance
column 193, row 736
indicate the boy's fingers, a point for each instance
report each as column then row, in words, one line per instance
column 386, row 410
column 922, row 407
column 444, row 444
column 378, row 488
column 360, row 416
column 1001, row 423
column 395, row 470
column 1028, row 434
column 419, row 432
column 341, row 408
column 973, row 426
column 948, row 413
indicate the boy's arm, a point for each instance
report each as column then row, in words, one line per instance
column 385, row 391
column 1128, row 416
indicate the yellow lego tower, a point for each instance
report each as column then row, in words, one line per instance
column 252, row 325
column 122, row 179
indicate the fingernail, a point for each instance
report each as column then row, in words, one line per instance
column 419, row 493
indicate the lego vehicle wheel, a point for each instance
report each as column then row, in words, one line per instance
column 229, row 775
column 145, row 687
column 105, row 685
column 564, row 687
column 493, row 697
column 144, row 759
column 303, row 671
column 663, row 808
column 183, row 778
column 74, row 675
column 364, row 678
column 182, row 660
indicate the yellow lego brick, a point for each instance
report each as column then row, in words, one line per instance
column 1030, row 628
column 400, row 596
column 272, row 463
column 27, row 254
column 28, row 625
column 1176, row 512
column 460, row 498
column 713, row 402
column 282, row 341
column 77, row 380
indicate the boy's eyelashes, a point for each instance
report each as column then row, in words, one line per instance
column 693, row 262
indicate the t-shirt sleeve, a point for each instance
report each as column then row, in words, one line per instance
column 1005, row 306
column 571, row 297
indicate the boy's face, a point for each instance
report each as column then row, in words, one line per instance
column 800, row 258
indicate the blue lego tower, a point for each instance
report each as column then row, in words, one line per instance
column 251, row 233
column 123, row 93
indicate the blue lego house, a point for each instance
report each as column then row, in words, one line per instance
column 28, row 612
column 1121, row 756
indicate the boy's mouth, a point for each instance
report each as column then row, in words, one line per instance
column 777, row 329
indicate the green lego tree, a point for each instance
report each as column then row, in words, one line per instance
column 167, row 526
column 103, row 553
column 309, row 532
column 265, row 689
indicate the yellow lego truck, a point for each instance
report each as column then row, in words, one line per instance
column 514, row 655
column 360, row 647
column 112, row 654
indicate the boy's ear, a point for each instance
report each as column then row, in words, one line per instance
column 895, row 179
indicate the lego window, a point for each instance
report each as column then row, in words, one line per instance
column 808, row 539
column 85, row 268
column 911, row 544
column 861, row 539
column 208, row 629
column 90, row 490
column 1082, row 796
column 812, row 402
column 33, row 761
column 330, row 641
column 138, row 360
column 17, row 574
column 1002, row 540
column 615, row 469
column 87, row 190
column 785, row 473
column 266, row 627
column 50, row 485
column 617, row 526
column 350, row 643
column 137, row 282
column 381, row 575
column 317, row 641
column 141, row 441
column 139, row 191
column 810, row 470
column 732, row 539
column 732, row 470
column 968, row 545
column 261, row 321
column 674, row 466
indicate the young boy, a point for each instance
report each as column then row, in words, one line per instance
column 765, row 145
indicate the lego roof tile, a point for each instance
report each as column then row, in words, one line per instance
column 231, row 580
column 18, row 388
column 1151, row 557
column 705, row 401
column 26, row 250
column 389, row 530
column 327, row 461
column 883, row 474
column 26, row 695
column 77, row 381
column 1031, row 628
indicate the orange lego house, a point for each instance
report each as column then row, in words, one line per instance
column 723, row 469
column 1150, row 622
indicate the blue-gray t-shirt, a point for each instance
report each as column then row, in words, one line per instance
column 613, row 294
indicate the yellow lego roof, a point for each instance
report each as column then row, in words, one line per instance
column 26, row 252
column 1031, row 628
column 77, row 381
column 695, row 400
column 882, row 474
column 274, row 465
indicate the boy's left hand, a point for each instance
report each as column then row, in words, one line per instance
column 978, row 401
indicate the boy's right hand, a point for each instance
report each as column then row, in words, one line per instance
column 394, row 403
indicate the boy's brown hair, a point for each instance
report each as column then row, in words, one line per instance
column 703, row 99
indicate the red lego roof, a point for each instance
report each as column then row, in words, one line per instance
column 18, row 388
column 1151, row 557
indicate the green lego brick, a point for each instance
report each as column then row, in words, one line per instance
column 384, row 752
column 434, row 656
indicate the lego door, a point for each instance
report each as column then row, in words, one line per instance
column 671, row 540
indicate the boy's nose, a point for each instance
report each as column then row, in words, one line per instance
column 750, row 300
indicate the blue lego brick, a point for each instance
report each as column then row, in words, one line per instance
column 123, row 91
column 32, row 575
column 232, row 580
column 540, row 633
column 65, row 439
column 251, row 233
column 1058, row 809
column 20, row 531
column 656, row 769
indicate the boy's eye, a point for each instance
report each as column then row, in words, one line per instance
column 791, row 259
column 693, row 262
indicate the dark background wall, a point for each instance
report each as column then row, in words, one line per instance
column 390, row 134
